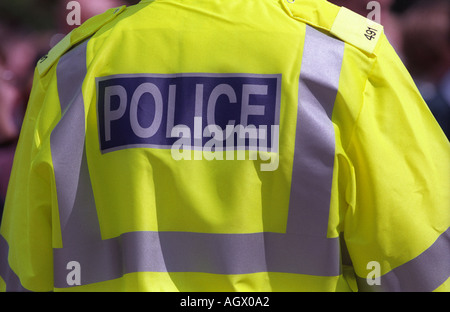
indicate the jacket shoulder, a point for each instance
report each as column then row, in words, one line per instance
column 76, row 36
column 356, row 30
column 339, row 22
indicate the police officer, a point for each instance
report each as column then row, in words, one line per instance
column 227, row 146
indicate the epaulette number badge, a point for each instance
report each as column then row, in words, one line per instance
column 371, row 33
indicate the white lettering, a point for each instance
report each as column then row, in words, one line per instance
column 248, row 109
column 222, row 89
column 224, row 140
column 238, row 137
column 375, row 13
column 181, row 149
column 74, row 16
column 246, row 302
column 74, row 276
column 373, row 278
column 110, row 114
column 273, row 156
column 134, row 110
column 214, row 147
column 192, row 302
column 171, row 110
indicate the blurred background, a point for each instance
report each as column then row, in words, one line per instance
column 419, row 30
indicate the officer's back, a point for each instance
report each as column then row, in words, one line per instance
column 222, row 145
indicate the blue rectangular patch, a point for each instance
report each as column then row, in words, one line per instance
column 152, row 110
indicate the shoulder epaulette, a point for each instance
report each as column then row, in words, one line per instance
column 76, row 36
column 357, row 30
column 340, row 22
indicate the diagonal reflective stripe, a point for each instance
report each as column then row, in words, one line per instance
column 424, row 273
column 11, row 279
column 291, row 252
column 198, row 252
column 312, row 174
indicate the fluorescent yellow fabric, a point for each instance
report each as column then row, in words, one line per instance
column 365, row 35
column 76, row 36
column 400, row 163
column 390, row 191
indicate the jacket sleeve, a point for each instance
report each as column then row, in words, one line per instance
column 401, row 215
column 26, row 230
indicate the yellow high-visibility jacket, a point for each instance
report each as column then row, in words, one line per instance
column 227, row 145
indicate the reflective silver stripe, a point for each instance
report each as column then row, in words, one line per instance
column 197, row 252
column 315, row 139
column 290, row 252
column 424, row 273
column 9, row 277
column 75, row 199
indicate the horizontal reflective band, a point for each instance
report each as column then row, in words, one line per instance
column 198, row 252
column 424, row 273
